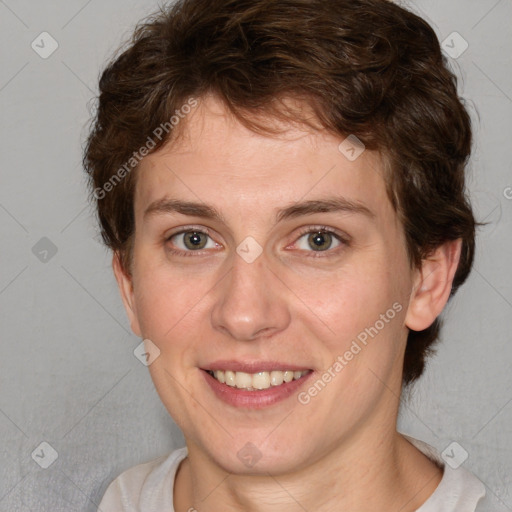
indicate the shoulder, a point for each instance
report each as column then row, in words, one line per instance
column 145, row 487
column 458, row 491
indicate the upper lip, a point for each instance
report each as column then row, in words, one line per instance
column 253, row 366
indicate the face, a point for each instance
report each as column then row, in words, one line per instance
column 259, row 259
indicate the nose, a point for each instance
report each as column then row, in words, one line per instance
column 251, row 301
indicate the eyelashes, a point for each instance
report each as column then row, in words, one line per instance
column 320, row 241
column 193, row 240
column 315, row 237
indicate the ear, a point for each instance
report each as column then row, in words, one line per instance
column 125, row 284
column 432, row 286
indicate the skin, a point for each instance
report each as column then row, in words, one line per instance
column 293, row 304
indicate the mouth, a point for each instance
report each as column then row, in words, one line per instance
column 258, row 381
column 260, row 384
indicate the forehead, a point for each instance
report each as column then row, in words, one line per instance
column 216, row 157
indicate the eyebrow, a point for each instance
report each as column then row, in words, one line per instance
column 327, row 205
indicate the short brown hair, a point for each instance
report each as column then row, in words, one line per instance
column 365, row 67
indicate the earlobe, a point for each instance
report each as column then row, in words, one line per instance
column 125, row 284
column 433, row 285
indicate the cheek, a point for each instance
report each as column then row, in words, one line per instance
column 154, row 305
column 160, row 299
column 366, row 349
column 169, row 303
column 363, row 305
column 354, row 296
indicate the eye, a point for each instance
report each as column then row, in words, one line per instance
column 192, row 240
column 320, row 240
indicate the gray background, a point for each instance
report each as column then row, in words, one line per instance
column 68, row 375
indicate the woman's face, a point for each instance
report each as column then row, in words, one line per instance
column 261, row 259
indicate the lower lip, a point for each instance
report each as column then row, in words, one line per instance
column 254, row 399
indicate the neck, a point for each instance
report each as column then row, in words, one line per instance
column 363, row 473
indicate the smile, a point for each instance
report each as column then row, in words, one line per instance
column 256, row 381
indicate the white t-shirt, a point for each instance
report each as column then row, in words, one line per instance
column 149, row 487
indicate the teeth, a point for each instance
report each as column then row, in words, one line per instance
column 255, row 381
column 276, row 378
column 230, row 378
column 243, row 380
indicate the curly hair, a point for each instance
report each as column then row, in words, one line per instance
column 365, row 67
